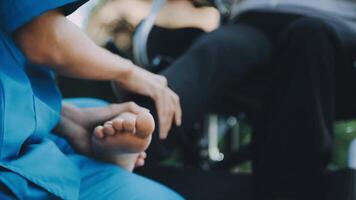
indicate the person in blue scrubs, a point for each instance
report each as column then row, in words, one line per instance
column 36, row 40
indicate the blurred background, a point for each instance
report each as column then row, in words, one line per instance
column 219, row 142
column 112, row 23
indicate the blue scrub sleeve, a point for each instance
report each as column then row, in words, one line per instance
column 16, row 13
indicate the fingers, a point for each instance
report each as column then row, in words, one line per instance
column 98, row 115
column 126, row 142
column 169, row 110
column 128, row 107
column 165, row 117
column 165, row 127
column 102, row 114
column 177, row 109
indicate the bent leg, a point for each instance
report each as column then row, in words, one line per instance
column 293, row 137
column 217, row 66
column 214, row 75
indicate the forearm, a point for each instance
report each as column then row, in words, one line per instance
column 54, row 41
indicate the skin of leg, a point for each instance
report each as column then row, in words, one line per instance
column 134, row 130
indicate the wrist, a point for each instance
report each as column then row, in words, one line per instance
column 127, row 70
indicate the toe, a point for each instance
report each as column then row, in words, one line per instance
column 145, row 124
column 117, row 124
column 108, row 129
column 99, row 132
column 129, row 124
column 140, row 162
column 143, row 155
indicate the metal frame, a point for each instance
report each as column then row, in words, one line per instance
column 142, row 32
column 352, row 155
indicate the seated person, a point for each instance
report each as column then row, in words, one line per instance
column 35, row 40
column 111, row 25
column 116, row 20
column 286, row 64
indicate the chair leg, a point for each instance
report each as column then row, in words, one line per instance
column 213, row 135
column 352, row 154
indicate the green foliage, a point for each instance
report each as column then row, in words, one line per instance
column 345, row 132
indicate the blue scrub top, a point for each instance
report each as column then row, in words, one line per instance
column 32, row 166
column 30, row 105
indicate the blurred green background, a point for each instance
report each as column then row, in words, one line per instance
column 345, row 132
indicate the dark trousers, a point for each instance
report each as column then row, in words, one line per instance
column 283, row 75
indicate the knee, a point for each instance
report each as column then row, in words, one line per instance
column 313, row 44
column 310, row 31
column 233, row 45
column 234, row 38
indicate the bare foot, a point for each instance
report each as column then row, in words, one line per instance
column 124, row 139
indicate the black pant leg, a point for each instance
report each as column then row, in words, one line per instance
column 293, row 135
column 209, row 75
column 217, row 65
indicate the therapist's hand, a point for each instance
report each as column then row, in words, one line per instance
column 52, row 41
column 77, row 124
column 155, row 86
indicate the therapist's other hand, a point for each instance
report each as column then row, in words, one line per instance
column 156, row 87
column 77, row 124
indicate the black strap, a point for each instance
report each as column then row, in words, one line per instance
column 70, row 8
